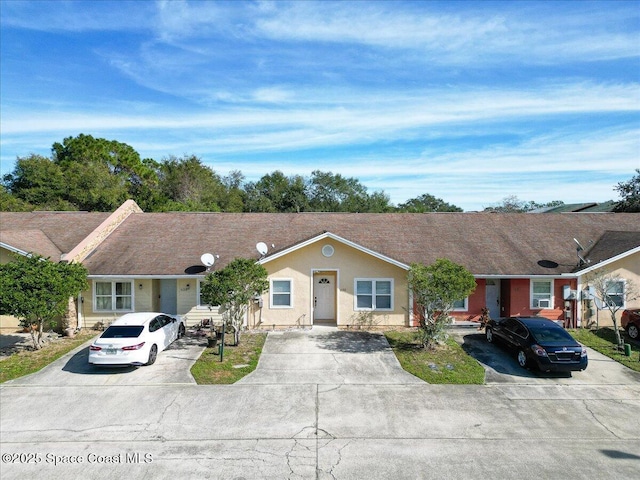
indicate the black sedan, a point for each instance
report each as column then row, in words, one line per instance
column 539, row 342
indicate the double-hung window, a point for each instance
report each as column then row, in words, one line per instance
column 541, row 293
column 281, row 293
column 615, row 293
column 114, row 296
column 374, row 294
column 461, row 305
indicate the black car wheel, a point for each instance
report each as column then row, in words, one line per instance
column 632, row 331
column 522, row 359
column 489, row 334
column 181, row 331
column 153, row 354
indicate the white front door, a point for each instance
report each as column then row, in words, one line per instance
column 324, row 297
column 492, row 298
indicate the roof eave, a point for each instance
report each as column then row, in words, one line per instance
column 604, row 263
column 13, row 249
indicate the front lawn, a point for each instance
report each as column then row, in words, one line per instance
column 237, row 362
column 30, row 361
column 603, row 340
column 447, row 363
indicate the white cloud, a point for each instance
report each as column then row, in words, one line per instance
column 526, row 32
column 364, row 119
column 447, row 98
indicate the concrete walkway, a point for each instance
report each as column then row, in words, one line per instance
column 324, row 355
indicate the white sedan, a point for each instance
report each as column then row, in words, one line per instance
column 136, row 339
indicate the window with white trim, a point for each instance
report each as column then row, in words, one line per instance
column 281, row 293
column 373, row 294
column 615, row 293
column 541, row 293
column 114, row 296
column 461, row 305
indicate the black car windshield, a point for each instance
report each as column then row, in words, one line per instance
column 547, row 334
column 122, row 331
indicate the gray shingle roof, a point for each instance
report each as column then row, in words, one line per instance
column 611, row 244
column 485, row 243
column 49, row 234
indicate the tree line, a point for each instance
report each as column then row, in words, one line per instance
column 96, row 174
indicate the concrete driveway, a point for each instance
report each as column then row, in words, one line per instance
column 309, row 429
column 324, row 355
column 172, row 367
column 502, row 367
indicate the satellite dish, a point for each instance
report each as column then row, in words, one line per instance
column 207, row 260
column 548, row 263
column 262, row 248
column 580, row 247
column 583, row 259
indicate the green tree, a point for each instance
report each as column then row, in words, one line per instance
column 187, row 184
column 435, row 290
column 84, row 173
column 512, row 204
column 10, row 203
column 37, row 290
column 101, row 173
column 92, row 187
column 233, row 288
column 40, row 182
column 379, row 202
column 427, row 203
column 276, row 192
column 330, row 192
column 630, row 195
column 234, row 198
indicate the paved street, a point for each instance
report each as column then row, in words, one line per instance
column 320, row 429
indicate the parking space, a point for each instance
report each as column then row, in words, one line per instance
column 502, row 367
column 172, row 367
column 324, row 355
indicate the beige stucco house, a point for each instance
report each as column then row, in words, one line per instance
column 345, row 269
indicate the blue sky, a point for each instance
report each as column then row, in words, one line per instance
column 468, row 101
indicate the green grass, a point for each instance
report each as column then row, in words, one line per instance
column 603, row 340
column 447, row 363
column 209, row 370
column 30, row 361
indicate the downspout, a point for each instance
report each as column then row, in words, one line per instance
column 79, row 312
column 578, row 302
column 411, row 311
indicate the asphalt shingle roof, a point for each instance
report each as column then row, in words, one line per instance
column 49, row 234
column 611, row 244
column 485, row 243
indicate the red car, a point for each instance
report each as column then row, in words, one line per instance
column 630, row 321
